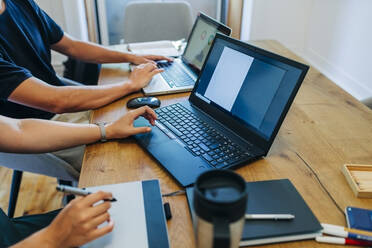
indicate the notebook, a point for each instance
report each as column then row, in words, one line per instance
column 274, row 197
column 138, row 215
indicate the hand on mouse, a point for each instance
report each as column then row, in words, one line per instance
column 123, row 127
column 141, row 76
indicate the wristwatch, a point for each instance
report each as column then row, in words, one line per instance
column 103, row 131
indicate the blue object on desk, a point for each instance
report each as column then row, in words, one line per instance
column 359, row 218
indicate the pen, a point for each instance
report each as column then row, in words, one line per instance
column 341, row 231
column 342, row 241
column 269, row 216
column 77, row 191
column 356, row 231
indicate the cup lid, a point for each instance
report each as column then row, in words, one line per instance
column 220, row 194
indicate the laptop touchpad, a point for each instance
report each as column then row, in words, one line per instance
column 156, row 136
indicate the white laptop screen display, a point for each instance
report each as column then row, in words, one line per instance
column 199, row 43
column 252, row 89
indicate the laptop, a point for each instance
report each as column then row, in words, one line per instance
column 232, row 116
column 180, row 76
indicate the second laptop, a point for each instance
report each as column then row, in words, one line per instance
column 180, row 76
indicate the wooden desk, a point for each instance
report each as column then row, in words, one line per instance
column 324, row 129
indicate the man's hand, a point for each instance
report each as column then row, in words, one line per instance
column 143, row 59
column 78, row 222
column 123, row 127
column 142, row 75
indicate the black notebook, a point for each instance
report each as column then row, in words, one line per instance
column 274, row 197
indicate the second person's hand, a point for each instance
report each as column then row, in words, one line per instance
column 123, row 127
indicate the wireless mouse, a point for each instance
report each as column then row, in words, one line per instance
column 137, row 102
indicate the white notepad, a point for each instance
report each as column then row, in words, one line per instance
column 138, row 207
column 163, row 47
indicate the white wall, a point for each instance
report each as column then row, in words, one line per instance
column 339, row 41
column 332, row 35
column 283, row 20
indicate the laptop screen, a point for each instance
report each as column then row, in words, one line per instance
column 246, row 85
column 201, row 39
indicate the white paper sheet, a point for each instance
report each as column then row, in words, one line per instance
column 128, row 214
column 163, row 47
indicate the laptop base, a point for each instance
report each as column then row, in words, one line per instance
column 174, row 156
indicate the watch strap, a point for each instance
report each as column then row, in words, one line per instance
column 103, row 131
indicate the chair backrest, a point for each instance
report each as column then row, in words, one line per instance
column 45, row 164
column 368, row 102
column 82, row 72
column 151, row 21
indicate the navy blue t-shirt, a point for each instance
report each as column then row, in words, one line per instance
column 26, row 34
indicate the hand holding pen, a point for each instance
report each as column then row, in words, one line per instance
column 77, row 191
column 83, row 220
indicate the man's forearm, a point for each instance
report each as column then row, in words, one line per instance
column 81, row 98
column 37, row 94
column 90, row 52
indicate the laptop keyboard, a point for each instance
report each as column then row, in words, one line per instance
column 175, row 75
column 201, row 139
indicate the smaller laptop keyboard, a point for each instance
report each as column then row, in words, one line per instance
column 201, row 139
column 175, row 75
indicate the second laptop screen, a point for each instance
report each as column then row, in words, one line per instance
column 251, row 88
column 200, row 42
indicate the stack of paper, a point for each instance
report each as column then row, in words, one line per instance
column 163, row 47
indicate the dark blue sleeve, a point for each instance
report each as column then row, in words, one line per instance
column 52, row 29
column 11, row 76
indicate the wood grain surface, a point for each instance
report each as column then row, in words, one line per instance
column 37, row 193
column 324, row 129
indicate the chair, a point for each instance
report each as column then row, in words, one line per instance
column 368, row 102
column 45, row 164
column 81, row 72
column 152, row 21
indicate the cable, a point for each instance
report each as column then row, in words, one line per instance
column 321, row 183
column 179, row 192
